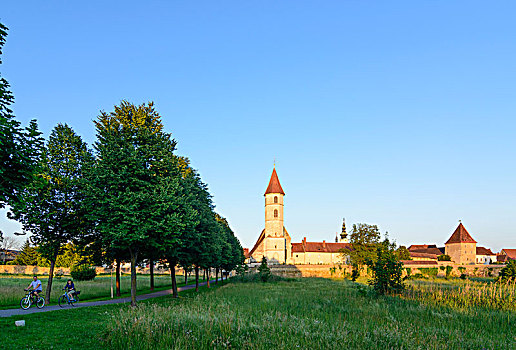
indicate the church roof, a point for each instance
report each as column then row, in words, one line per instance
column 461, row 235
column 274, row 184
column 322, row 247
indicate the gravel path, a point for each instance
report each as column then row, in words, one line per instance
column 34, row 309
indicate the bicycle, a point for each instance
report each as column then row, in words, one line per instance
column 30, row 299
column 65, row 299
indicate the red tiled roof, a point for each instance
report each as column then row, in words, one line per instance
column 274, row 184
column 297, row 248
column 416, row 247
column 484, row 251
column 510, row 253
column 323, row 247
column 461, row 235
column 423, row 255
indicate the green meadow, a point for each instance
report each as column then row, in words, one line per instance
column 309, row 313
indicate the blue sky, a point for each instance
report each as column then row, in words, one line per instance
column 400, row 114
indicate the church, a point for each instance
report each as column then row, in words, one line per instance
column 274, row 241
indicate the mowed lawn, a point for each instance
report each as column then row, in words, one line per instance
column 308, row 313
column 11, row 287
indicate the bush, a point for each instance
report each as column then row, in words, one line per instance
column 508, row 272
column 83, row 273
column 449, row 270
column 387, row 271
column 444, row 257
column 264, row 270
column 355, row 273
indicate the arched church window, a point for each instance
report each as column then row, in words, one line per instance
column 275, row 213
column 275, row 199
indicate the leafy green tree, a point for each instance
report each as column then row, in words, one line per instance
column 508, row 272
column 363, row 239
column 403, row 253
column 231, row 250
column 130, row 147
column 264, row 270
column 19, row 147
column 49, row 206
column 29, row 255
column 175, row 217
column 444, row 257
column 387, row 269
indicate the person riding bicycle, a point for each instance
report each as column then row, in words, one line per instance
column 70, row 289
column 36, row 286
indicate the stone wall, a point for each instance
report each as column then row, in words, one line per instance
column 326, row 271
column 339, row 271
column 38, row 270
column 31, row 270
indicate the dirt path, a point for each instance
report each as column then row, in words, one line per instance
column 34, row 309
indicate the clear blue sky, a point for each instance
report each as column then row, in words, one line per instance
column 400, row 114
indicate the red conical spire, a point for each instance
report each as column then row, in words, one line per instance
column 461, row 235
column 274, row 184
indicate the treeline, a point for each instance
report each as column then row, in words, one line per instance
column 130, row 198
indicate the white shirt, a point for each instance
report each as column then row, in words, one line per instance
column 34, row 284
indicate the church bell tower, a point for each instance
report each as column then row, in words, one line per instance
column 277, row 243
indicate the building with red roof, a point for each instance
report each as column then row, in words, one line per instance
column 461, row 247
column 274, row 241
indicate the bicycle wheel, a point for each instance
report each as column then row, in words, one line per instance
column 62, row 301
column 74, row 300
column 40, row 302
column 25, row 302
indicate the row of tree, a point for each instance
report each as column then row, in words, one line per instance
column 131, row 198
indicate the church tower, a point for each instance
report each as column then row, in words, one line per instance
column 277, row 243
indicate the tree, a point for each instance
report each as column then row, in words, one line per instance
column 363, row 239
column 264, row 270
column 508, row 272
column 130, row 146
column 49, row 206
column 444, row 257
column 6, row 244
column 387, row 269
column 403, row 253
column 19, row 147
column 29, row 255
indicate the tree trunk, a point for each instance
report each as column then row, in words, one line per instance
column 208, row 277
column 118, row 266
column 216, row 275
column 196, row 278
column 186, row 277
column 50, row 278
column 151, row 274
column 134, row 256
column 172, row 267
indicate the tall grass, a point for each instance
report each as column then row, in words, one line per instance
column 307, row 313
column 464, row 294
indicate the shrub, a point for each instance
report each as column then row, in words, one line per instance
column 355, row 273
column 264, row 270
column 508, row 272
column 449, row 270
column 444, row 257
column 387, row 270
column 83, row 273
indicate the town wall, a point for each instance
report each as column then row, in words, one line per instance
column 340, row 271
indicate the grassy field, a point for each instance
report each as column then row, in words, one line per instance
column 308, row 313
column 11, row 288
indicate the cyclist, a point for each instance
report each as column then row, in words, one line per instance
column 70, row 289
column 36, row 286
